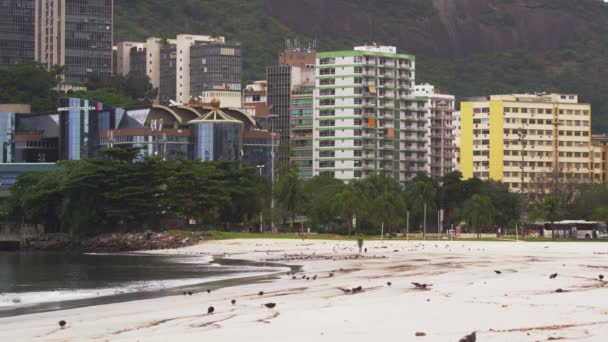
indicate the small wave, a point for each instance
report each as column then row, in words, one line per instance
column 25, row 299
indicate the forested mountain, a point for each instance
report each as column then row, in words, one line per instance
column 466, row 47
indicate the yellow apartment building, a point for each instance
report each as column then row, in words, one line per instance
column 599, row 144
column 503, row 136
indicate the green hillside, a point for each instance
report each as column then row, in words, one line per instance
column 559, row 45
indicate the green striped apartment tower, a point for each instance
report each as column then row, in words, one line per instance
column 366, row 118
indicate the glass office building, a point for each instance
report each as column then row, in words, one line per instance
column 217, row 136
column 79, row 128
column 16, row 32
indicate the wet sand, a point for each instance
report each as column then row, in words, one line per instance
column 466, row 295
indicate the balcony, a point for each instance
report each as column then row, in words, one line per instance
column 386, row 147
column 386, row 115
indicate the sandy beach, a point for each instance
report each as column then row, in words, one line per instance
column 466, row 295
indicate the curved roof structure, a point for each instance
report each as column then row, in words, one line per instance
column 160, row 110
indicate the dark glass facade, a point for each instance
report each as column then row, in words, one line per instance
column 168, row 73
column 215, row 67
column 279, row 102
column 16, row 32
column 79, row 128
column 218, row 140
column 258, row 150
column 88, row 40
column 29, row 138
column 138, row 61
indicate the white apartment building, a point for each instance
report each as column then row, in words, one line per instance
column 440, row 149
column 185, row 68
column 366, row 119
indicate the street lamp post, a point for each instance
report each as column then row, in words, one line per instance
column 260, row 168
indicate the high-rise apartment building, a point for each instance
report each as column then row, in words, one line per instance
column 16, row 32
column 366, row 119
column 185, row 68
column 599, row 157
column 456, row 131
column 76, row 35
column 301, row 129
column 215, row 67
column 518, row 139
column 279, row 103
column 293, row 71
column 125, row 52
column 440, row 109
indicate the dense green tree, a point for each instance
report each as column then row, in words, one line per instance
column 290, row 195
column 479, row 213
column 248, row 194
column 36, row 198
column 320, row 204
column 195, row 190
column 29, row 84
column 593, row 203
column 347, row 202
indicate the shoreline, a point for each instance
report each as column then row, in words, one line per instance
column 238, row 278
column 520, row 304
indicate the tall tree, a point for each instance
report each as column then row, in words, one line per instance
column 290, row 195
column 418, row 195
column 479, row 212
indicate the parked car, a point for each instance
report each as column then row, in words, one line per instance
column 529, row 233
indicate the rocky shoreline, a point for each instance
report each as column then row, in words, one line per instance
column 110, row 243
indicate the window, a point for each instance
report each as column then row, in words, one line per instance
column 327, row 113
column 327, row 92
column 326, row 164
column 358, row 70
column 327, row 102
column 327, row 134
column 327, row 143
column 328, row 81
column 328, row 71
column 324, row 61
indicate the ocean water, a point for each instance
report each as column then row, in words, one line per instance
column 35, row 282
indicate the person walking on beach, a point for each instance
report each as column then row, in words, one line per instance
column 360, row 243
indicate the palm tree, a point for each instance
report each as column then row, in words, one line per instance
column 420, row 194
column 346, row 201
column 290, row 195
column 389, row 206
column 479, row 211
